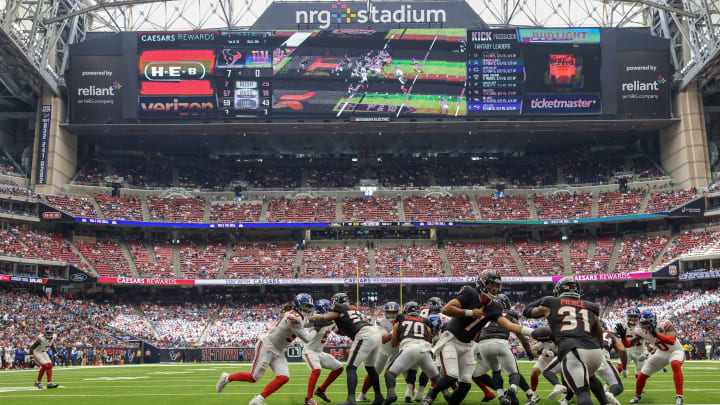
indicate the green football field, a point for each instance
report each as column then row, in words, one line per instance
column 423, row 103
column 195, row 384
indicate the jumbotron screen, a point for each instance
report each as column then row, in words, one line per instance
column 363, row 74
column 341, row 73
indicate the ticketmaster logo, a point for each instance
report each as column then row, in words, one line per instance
column 342, row 14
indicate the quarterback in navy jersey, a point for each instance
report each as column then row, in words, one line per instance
column 470, row 311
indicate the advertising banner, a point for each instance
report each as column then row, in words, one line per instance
column 699, row 276
column 96, row 87
column 643, row 83
column 76, row 275
column 691, row 209
column 670, row 270
column 43, row 144
column 562, row 104
column 608, row 277
column 560, row 35
column 52, row 214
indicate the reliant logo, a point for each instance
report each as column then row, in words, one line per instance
column 99, row 91
column 342, row 14
column 637, row 85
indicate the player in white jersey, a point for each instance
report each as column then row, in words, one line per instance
column 546, row 348
column 607, row 372
column 317, row 359
column 39, row 351
column 270, row 349
column 669, row 350
column 636, row 352
column 386, row 352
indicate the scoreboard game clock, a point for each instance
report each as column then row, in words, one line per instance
column 225, row 74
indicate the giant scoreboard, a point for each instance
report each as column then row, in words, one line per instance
column 349, row 73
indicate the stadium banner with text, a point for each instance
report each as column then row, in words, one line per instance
column 560, row 35
column 43, row 144
column 97, row 221
column 363, row 16
column 607, row 277
column 22, row 279
column 237, row 354
column 643, row 83
column 361, row 280
column 704, row 275
column 96, row 87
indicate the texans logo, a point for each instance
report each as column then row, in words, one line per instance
column 174, row 355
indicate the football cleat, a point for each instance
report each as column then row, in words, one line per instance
column 310, row 401
column 222, row 382
column 389, row 400
column 611, row 399
column 511, row 395
column 409, row 394
column 533, row 399
column 258, row 400
column 379, row 400
column 678, row 400
column 558, row 390
column 361, row 397
column 322, row 395
column 427, row 400
column 488, row 397
column 38, row 385
column 635, row 399
column 52, row 385
column 419, row 395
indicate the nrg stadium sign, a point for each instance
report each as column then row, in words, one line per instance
column 381, row 16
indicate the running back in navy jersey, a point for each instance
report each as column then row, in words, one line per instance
column 572, row 322
column 351, row 320
column 412, row 327
column 466, row 328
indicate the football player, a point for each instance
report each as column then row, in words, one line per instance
column 385, row 327
column 546, row 348
column 270, row 349
column 636, row 352
column 494, row 353
column 412, row 335
column 668, row 350
column 432, row 311
column 576, row 326
column 39, row 351
column 470, row 311
column 317, row 359
column 366, row 343
column 607, row 372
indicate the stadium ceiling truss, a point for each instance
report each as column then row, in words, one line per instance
column 35, row 34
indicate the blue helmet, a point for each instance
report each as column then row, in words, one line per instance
column 632, row 314
column 647, row 318
column 391, row 306
column 322, row 306
column 435, row 323
column 303, row 303
column 49, row 331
